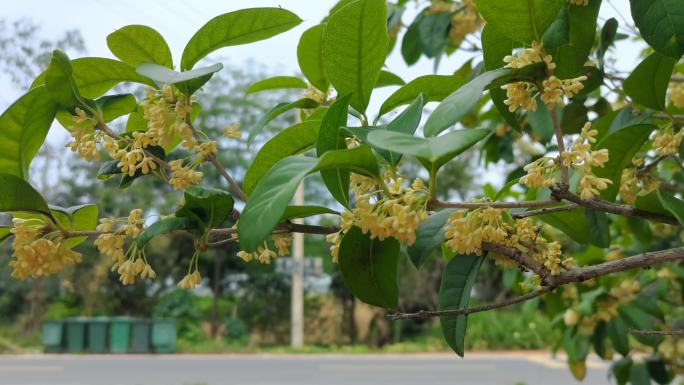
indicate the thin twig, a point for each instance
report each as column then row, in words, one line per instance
column 644, row 170
column 679, row 332
column 231, row 182
column 545, row 210
column 499, row 205
column 613, row 208
column 565, row 178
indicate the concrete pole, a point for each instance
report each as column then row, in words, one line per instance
column 297, row 303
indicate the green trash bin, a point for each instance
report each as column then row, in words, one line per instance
column 164, row 335
column 97, row 334
column 52, row 336
column 120, row 334
column 76, row 334
column 141, row 336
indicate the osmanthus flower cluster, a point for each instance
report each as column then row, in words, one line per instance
column 39, row 249
column 634, row 183
column 677, row 94
column 607, row 304
column 116, row 232
column 393, row 211
column 264, row 253
column 464, row 22
column 522, row 94
column 467, row 231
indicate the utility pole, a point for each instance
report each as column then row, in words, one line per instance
column 297, row 301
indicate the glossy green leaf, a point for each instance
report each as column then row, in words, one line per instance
column 608, row 34
column 236, row 28
column 434, row 88
column 18, row 195
column 290, row 141
column 454, row 293
column 573, row 223
column 435, row 151
column 304, row 211
column 581, row 24
column 622, row 145
column 369, row 268
column 23, row 128
column 558, row 33
column 657, row 368
column 276, row 111
column 114, row 106
column 59, row 81
column 410, row 43
column 330, row 137
column 386, row 79
column 621, row 369
column 459, row 103
column 191, row 80
column 276, row 83
column 638, row 375
column 80, row 218
column 4, row 233
column 599, row 227
column 636, row 318
column 617, row 332
column 135, row 44
column 94, row 76
column 164, row 226
column 659, row 22
column 520, row 20
column 429, row 236
column 310, row 57
column 495, row 47
column 647, row 84
column 672, row 204
column 275, row 190
column 433, row 32
column 355, row 45
column 210, row 207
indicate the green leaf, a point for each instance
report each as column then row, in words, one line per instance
column 355, row 45
column 520, row 20
column 294, row 212
column 135, row 44
column 454, row 293
column 647, row 84
column 581, row 24
column 235, row 28
column 276, row 83
column 59, row 81
column 4, row 233
column 659, row 22
column 94, row 76
column 434, row 88
column 638, row 375
column 495, row 47
column 617, row 332
column 291, row 141
column 369, row 268
column 622, row 145
column 429, row 236
column 276, row 111
column 210, row 207
column 23, row 128
column 275, row 190
column 410, row 43
column 164, row 226
column 433, row 32
column 80, row 218
column 114, row 106
column 573, row 223
column 433, row 151
column 330, row 138
column 310, row 57
column 638, row 319
column 387, row 78
column 599, row 227
column 558, row 33
column 18, row 195
column 459, row 103
column 190, row 81
column 621, row 369
column 673, row 205
column 608, row 34
column 658, row 370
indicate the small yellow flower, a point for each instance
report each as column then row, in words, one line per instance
column 233, row 131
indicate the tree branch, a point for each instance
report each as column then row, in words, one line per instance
column 231, row 182
column 582, row 274
column 613, row 208
column 545, row 210
column 499, row 205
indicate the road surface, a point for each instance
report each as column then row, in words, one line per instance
column 476, row 369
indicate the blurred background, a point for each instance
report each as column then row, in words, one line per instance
column 239, row 307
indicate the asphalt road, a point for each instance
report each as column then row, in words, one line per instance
column 476, row 369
